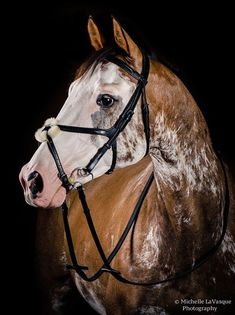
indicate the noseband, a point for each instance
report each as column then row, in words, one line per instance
column 112, row 134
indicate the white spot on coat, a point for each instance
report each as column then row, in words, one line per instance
column 176, row 159
column 149, row 252
column 151, row 310
column 228, row 250
column 90, row 295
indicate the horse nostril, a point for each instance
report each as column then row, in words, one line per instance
column 36, row 184
column 32, row 175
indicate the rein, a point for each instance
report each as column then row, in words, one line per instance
column 112, row 134
column 132, row 220
column 106, row 260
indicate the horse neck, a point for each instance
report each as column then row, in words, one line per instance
column 188, row 174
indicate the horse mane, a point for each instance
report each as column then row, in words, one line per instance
column 99, row 56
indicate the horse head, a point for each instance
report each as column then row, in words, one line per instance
column 100, row 94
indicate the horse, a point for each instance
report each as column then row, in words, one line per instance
column 148, row 206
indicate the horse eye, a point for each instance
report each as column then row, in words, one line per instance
column 105, row 100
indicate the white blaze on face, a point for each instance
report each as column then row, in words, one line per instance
column 75, row 150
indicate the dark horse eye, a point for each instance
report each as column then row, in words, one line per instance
column 105, row 100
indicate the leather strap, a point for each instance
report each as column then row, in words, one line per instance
column 107, row 260
column 61, row 173
column 124, row 118
column 145, row 118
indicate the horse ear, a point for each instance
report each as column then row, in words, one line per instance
column 124, row 41
column 95, row 37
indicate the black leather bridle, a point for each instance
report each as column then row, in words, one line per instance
column 112, row 134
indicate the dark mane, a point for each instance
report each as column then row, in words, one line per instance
column 99, row 56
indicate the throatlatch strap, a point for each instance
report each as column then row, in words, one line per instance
column 114, row 159
column 145, row 118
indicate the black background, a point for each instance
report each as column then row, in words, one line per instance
column 45, row 42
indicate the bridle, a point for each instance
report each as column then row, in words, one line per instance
column 112, row 135
column 113, row 132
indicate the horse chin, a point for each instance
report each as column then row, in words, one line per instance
column 58, row 198
column 47, row 201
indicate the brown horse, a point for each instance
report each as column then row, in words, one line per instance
column 179, row 254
